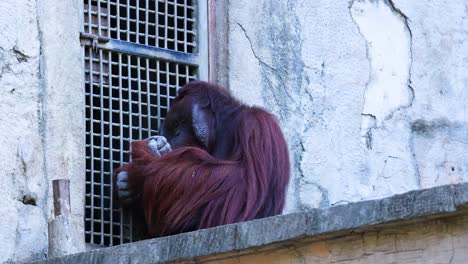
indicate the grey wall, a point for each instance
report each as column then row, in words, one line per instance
column 22, row 180
column 41, row 101
column 372, row 94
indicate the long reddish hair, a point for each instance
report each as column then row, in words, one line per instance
column 189, row 188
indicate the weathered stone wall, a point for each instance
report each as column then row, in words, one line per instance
column 23, row 185
column 371, row 94
column 41, row 122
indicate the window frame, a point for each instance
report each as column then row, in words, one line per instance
column 200, row 58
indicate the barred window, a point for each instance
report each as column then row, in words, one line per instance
column 137, row 53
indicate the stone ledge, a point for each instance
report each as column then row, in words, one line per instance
column 315, row 224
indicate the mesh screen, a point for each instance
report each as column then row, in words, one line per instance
column 127, row 97
column 164, row 24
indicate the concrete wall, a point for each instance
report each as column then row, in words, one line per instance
column 41, row 102
column 372, row 95
column 23, row 196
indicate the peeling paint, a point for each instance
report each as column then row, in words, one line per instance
column 388, row 39
column 351, row 113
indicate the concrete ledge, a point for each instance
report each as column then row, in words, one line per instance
column 413, row 206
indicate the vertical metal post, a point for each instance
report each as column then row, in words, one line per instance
column 165, row 24
column 211, row 41
column 202, row 37
column 111, row 150
column 158, row 85
column 176, row 27
column 101, row 150
column 140, row 136
column 91, row 132
column 156, row 22
column 137, row 29
column 147, row 21
column 121, row 143
column 148, row 96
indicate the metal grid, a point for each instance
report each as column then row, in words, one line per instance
column 157, row 23
column 127, row 96
column 126, row 99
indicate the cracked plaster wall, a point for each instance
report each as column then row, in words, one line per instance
column 371, row 94
column 22, row 181
column 41, row 121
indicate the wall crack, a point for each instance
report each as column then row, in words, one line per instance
column 389, row 53
column 263, row 63
column 301, row 180
column 20, row 56
column 299, row 150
